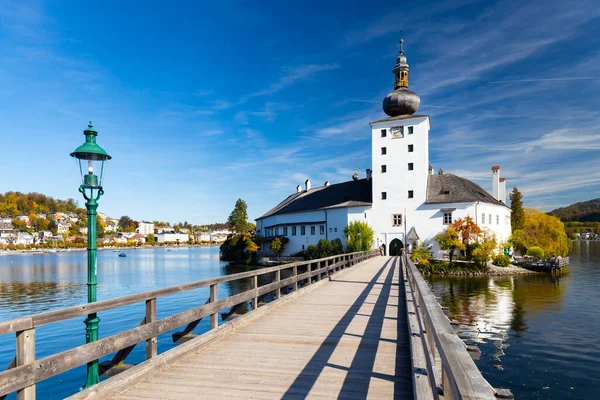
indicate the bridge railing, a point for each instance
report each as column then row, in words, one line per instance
column 25, row 370
column 450, row 368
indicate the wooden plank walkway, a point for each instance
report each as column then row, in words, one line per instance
column 347, row 339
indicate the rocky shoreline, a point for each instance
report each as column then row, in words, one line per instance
column 492, row 270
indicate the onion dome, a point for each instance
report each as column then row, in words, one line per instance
column 401, row 101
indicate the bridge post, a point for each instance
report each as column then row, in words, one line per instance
column 151, row 350
column 277, row 279
column 295, row 273
column 319, row 270
column 25, row 355
column 255, row 287
column 214, row 296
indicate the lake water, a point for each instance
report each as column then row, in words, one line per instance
column 538, row 334
column 36, row 283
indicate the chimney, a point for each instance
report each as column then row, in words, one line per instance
column 327, row 184
column 430, row 170
column 496, row 182
column 369, row 173
column 307, row 183
column 298, row 188
column 502, row 190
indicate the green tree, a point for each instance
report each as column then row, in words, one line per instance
column 450, row 241
column 277, row 246
column 238, row 219
column 52, row 227
column 485, row 250
column 542, row 230
column 19, row 225
column 517, row 213
column 150, row 238
column 357, row 242
column 39, row 224
column 421, row 255
column 127, row 224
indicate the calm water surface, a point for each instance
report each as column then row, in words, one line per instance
column 538, row 335
column 42, row 282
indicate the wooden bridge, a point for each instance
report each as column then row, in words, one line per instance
column 352, row 326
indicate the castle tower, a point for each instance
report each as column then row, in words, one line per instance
column 400, row 156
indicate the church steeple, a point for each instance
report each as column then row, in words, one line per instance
column 401, row 69
column 401, row 101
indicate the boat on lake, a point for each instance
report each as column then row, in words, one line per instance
column 122, row 255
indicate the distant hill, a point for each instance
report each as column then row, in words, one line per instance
column 13, row 204
column 585, row 211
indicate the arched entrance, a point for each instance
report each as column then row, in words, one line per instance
column 395, row 247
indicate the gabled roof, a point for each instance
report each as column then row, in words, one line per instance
column 449, row 188
column 346, row 194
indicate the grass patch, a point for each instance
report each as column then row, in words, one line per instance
column 439, row 267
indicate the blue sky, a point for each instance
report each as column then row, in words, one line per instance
column 201, row 103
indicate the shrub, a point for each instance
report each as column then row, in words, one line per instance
column 535, row 251
column 421, row 256
column 501, row 260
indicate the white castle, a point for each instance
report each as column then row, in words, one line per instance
column 401, row 198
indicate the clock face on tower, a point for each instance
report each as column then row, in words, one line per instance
column 397, row 132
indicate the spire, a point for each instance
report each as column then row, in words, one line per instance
column 401, row 101
column 401, row 68
column 401, row 42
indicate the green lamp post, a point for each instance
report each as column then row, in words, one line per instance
column 91, row 160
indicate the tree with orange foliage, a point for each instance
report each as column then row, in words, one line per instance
column 467, row 230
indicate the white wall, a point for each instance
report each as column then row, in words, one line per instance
column 145, row 228
column 398, row 179
column 333, row 221
column 172, row 237
column 429, row 222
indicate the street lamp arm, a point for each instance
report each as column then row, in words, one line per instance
column 88, row 198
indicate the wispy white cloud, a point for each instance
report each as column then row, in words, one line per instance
column 290, row 76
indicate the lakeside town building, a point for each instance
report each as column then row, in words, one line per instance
column 145, row 228
column 402, row 198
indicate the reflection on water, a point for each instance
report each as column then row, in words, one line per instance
column 35, row 297
column 537, row 333
column 36, row 283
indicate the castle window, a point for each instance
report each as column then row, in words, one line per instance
column 483, row 218
column 383, row 150
column 410, row 194
column 383, row 133
column 383, row 195
column 312, row 230
column 397, row 220
column 447, row 218
column 293, row 231
column 383, row 169
column 410, row 148
column 497, row 219
column 322, row 229
column 490, row 219
column 330, row 230
column 410, row 130
column 335, row 229
column 285, row 231
column 303, row 230
column 410, row 166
